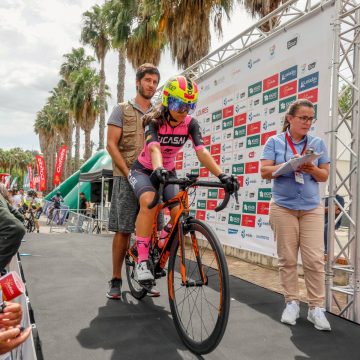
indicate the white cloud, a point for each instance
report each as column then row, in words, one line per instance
column 34, row 34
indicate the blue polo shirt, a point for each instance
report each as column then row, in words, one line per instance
column 286, row 191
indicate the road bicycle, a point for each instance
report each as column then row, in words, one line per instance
column 29, row 220
column 198, row 279
column 53, row 215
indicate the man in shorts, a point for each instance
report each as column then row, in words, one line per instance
column 125, row 140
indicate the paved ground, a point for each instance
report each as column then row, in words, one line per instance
column 66, row 279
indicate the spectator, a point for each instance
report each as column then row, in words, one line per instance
column 341, row 201
column 12, row 229
column 17, row 199
column 83, row 204
column 296, row 216
column 125, row 140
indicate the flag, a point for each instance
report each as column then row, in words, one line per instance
column 60, row 161
column 41, row 170
column 31, row 175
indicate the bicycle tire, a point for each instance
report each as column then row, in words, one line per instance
column 206, row 345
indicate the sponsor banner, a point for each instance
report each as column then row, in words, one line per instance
column 221, row 193
column 178, row 165
column 253, row 128
column 195, row 171
column 215, row 149
column 263, row 207
column 271, row 82
column 284, row 104
column 213, row 193
column 227, row 146
column 238, row 169
column 308, row 82
column 41, row 170
column 210, row 216
column 241, row 181
column 264, row 194
column 249, row 207
column 227, row 135
column 248, row 220
column 265, row 136
column 200, row 214
column 216, row 127
column 270, row 96
column 311, row 95
column 217, row 159
column 228, row 111
column 239, row 132
column 31, row 176
column 179, row 156
column 216, row 116
column 234, row 219
column 253, row 141
column 204, row 172
column 207, row 140
column 201, row 204
column 211, row 204
column 255, row 89
column 240, row 119
column 226, row 159
column 228, row 123
column 288, row 74
column 252, row 167
column 288, row 89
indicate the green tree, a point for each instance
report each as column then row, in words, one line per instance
column 94, row 33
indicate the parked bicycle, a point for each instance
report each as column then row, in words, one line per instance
column 198, row 279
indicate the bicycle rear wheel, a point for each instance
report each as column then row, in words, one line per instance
column 200, row 312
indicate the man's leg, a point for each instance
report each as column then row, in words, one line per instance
column 119, row 248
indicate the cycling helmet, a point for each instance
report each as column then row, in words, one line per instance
column 180, row 94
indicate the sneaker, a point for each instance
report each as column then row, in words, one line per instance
column 318, row 318
column 290, row 313
column 153, row 292
column 143, row 272
column 114, row 289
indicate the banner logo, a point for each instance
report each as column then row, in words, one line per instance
column 291, row 43
column 288, row 74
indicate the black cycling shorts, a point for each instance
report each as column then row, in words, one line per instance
column 139, row 179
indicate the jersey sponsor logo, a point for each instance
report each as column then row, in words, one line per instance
column 288, row 74
column 309, row 82
column 173, row 140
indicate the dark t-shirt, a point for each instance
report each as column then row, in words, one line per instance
column 82, row 204
column 341, row 201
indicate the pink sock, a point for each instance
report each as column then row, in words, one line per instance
column 143, row 248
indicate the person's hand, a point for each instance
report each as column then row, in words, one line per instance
column 11, row 338
column 307, row 168
column 158, row 176
column 11, row 315
column 230, row 182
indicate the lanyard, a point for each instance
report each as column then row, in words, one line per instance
column 288, row 140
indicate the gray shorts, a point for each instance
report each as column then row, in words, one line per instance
column 124, row 206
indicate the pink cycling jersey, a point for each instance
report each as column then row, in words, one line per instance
column 171, row 140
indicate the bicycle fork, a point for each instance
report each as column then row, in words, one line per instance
column 195, row 247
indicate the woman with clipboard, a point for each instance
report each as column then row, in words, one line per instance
column 296, row 215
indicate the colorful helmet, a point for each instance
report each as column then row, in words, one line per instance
column 181, row 89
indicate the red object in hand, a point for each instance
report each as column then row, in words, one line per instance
column 11, row 286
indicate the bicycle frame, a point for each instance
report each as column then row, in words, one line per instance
column 182, row 200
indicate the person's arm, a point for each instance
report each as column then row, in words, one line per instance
column 267, row 167
column 319, row 173
column 208, row 161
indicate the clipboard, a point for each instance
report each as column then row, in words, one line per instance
column 294, row 163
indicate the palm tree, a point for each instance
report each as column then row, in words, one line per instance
column 75, row 60
column 262, row 8
column 95, row 34
column 84, row 102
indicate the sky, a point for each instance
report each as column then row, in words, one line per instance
column 34, row 35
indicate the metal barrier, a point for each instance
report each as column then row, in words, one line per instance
column 81, row 223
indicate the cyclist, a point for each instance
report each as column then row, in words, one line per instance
column 56, row 200
column 167, row 128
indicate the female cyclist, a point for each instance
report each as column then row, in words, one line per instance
column 167, row 128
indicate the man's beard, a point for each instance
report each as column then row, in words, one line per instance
column 142, row 93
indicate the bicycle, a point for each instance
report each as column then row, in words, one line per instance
column 29, row 220
column 193, row 250
column 53, row 214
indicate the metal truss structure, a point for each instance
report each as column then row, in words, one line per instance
column 344, row 129
column 345, row 144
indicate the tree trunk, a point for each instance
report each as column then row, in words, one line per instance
column 121, row 75
column 87, row 153
column 102, row 104
column 77, row 147
column 68, row 141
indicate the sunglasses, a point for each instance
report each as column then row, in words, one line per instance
column 179, row 106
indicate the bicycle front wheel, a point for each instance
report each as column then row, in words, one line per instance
column 200, row 311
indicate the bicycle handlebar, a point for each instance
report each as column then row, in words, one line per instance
column 191, row 181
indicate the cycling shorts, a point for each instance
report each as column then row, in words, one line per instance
column 139, row 179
